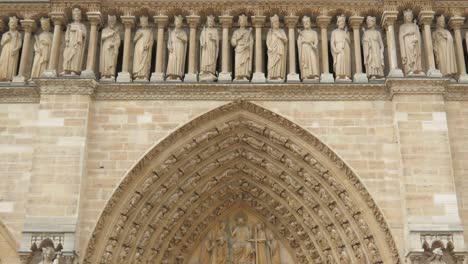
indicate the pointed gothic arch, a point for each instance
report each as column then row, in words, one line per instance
column 9, row 246
column 241, row 154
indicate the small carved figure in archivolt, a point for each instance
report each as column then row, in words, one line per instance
column 110, row 43
column 75, row 41
column 10, row 45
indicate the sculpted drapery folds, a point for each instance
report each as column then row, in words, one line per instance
column 177, row 47
column 444, row 49
column 10, row 45
column 42, row 49
column 242, row 40
column 242, row 250
column 373, row 48
column 75, row 41
column 110, row 43
column 340, row 43
column 209, row 47
column 437, row 257
column 307, row 42
column 277, row 52
column 143, row 41
column 410, row 45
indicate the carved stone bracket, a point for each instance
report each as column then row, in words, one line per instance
column 423, row 243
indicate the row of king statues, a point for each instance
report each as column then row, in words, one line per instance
column 242, row 42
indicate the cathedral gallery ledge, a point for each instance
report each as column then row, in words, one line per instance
column 383, row 90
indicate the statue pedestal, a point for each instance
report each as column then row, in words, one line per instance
column 124, row 77
column 360, row 78
column 18, row 80
column 463, row 78
column 225, row 77
column 49, row 74
column 88, row 74
column 327, row 78
column 293, row 78
column 258, row 77
column 395, row 73
column 108, row 79
column 191, row 78
column 157, row 77
column 434, row 73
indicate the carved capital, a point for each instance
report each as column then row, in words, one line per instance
column 226, row 21
column 456, row 22
column 323, row 21
column 291, row 21
column 356, row 21
column 28, row 25
column 426, row 17
column 95, row 18
column 2, row 25
column 389, row 18
column 128, row 21
column 161, row 20
column 258, row 21
column 193, row 20
column 58, row 17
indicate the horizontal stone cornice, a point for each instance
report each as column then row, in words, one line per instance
column 272, row 92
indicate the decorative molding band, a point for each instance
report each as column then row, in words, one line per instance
column 66, row 86
column 230, row 92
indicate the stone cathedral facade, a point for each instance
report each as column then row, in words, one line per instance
column 233, row 132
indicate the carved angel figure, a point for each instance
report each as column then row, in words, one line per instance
column 437, row 257
column 410, row 45
column 242, row 40
column 42, row 49
column 10, row 45
column 277, row 51
column 373, row 48
column 340, row 43
column 444, row 49
column 307, row 43
column 110, row 43
column 177, row 47
column 49, row 256
column 143, row 49
column 209, row 45
column 75, row 41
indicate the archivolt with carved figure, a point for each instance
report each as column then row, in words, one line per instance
column 241, row 184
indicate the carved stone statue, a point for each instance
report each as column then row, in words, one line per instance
column 110, row 43
column 262, row 246
column 437, row 257
column 209, row 47
column 242, row 250
column 207, row 255
column 10, row 45
column 277, row 52
column 307, row 43
column 444, row 49
column 340, row 43
column 373, row 48
column 143, row 49
column 75, row 41
column 242, row 40
column 48, row 256
column 177, row 47
column 221, row 245
column 410, row 45
column 42, row 49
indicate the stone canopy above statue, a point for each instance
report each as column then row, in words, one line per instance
column 205, row 46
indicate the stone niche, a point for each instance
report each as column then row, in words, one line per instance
column 239, row 237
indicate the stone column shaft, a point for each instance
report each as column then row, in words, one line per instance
column 58, row 19
column 425, row 19
column 225, row 75
column 191, row 75
column 158, row 74
column 291, row 22
column 95, row 19
column 28, row 25
column 323, row 21
column 259, row 75
column 125, row 75
column 356, row 22
column 388, row 21
column 456, row 22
